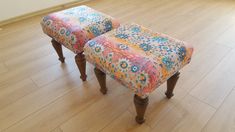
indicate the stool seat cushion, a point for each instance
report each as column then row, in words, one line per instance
column 137, row 57
column 75, row 26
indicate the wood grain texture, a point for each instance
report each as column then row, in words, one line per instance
column 3, row 68
column 189, row 115
column 38, row 93
column 218, row 83
column 126, row 123
column 98, row 115
column 223, row 120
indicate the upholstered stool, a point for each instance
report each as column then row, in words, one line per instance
column 139, row 59
column 73, row 28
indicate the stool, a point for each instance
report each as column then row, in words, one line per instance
column 73, row 28
column 140, row 59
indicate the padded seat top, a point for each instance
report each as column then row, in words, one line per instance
column 139, row 58
column 75, row 26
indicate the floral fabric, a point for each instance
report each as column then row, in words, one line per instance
column 74, row 27
column 139, row 58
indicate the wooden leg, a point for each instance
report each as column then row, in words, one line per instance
column 140, row 105
column 171, row 82
column 58, row 48
column 81, row 63
column 101, row 77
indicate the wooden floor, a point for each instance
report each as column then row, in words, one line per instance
column 38, row 94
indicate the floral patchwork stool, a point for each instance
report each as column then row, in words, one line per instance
column 139, row 59
column 73, row 28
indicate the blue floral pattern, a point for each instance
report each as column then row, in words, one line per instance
column 137, row 57
column 75, row 26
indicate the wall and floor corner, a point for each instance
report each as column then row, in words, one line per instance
column 12, row 10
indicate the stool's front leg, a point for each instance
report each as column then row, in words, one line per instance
column 171, row 82
column 140, row 105
column 58, row 48
column 81, row 64
column 101, row 77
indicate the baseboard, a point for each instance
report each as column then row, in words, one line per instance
column 41, row 12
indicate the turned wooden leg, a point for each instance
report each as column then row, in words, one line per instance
column 101, row 77
column 58, row 48
column 81, row 63
column 171, row 82
column 140, row 105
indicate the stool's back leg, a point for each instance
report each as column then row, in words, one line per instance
column 171, row 82
column 101, row 77
column 58, row 48
column 81, row 64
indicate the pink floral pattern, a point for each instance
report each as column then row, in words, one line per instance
column 75, row 26
column 137, row 57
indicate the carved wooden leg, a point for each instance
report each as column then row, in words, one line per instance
column 101, row 77
column 171, row 82
column 140, row 105
column 81, row 63
column 58, row 48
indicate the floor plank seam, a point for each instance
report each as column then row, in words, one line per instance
column 5, row 84
column 30, row 62
column 5, row 67
column 217, row 110
column 14, row 31
column 113, row 119
column 72, row 115
column 218, row 43
column 169, row 110
column 44, row 85
column 211, row 70
column 40, row 108
column 35, row 83
column 18, row 98
column 101, row 96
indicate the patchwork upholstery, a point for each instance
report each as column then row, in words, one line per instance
column 75, row 26
column 138, row 57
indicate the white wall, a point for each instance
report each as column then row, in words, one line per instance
column 14, row 8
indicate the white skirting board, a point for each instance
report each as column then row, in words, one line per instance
column 13, row 8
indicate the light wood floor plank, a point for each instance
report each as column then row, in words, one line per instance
column 100, row 114
column 29, row 57
column 14, row 92
column 61, row 110
column 223, row 120
column 55, row 72
column 31, row 68
column 3, row 68
column 37, row 99
column 227, row 38
column 20, row 73
column 126, row 123
column 20, row 26
column 20, row 49
column 21, row 37
column 57, row 130
column 189, row 115
column 218, row 84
